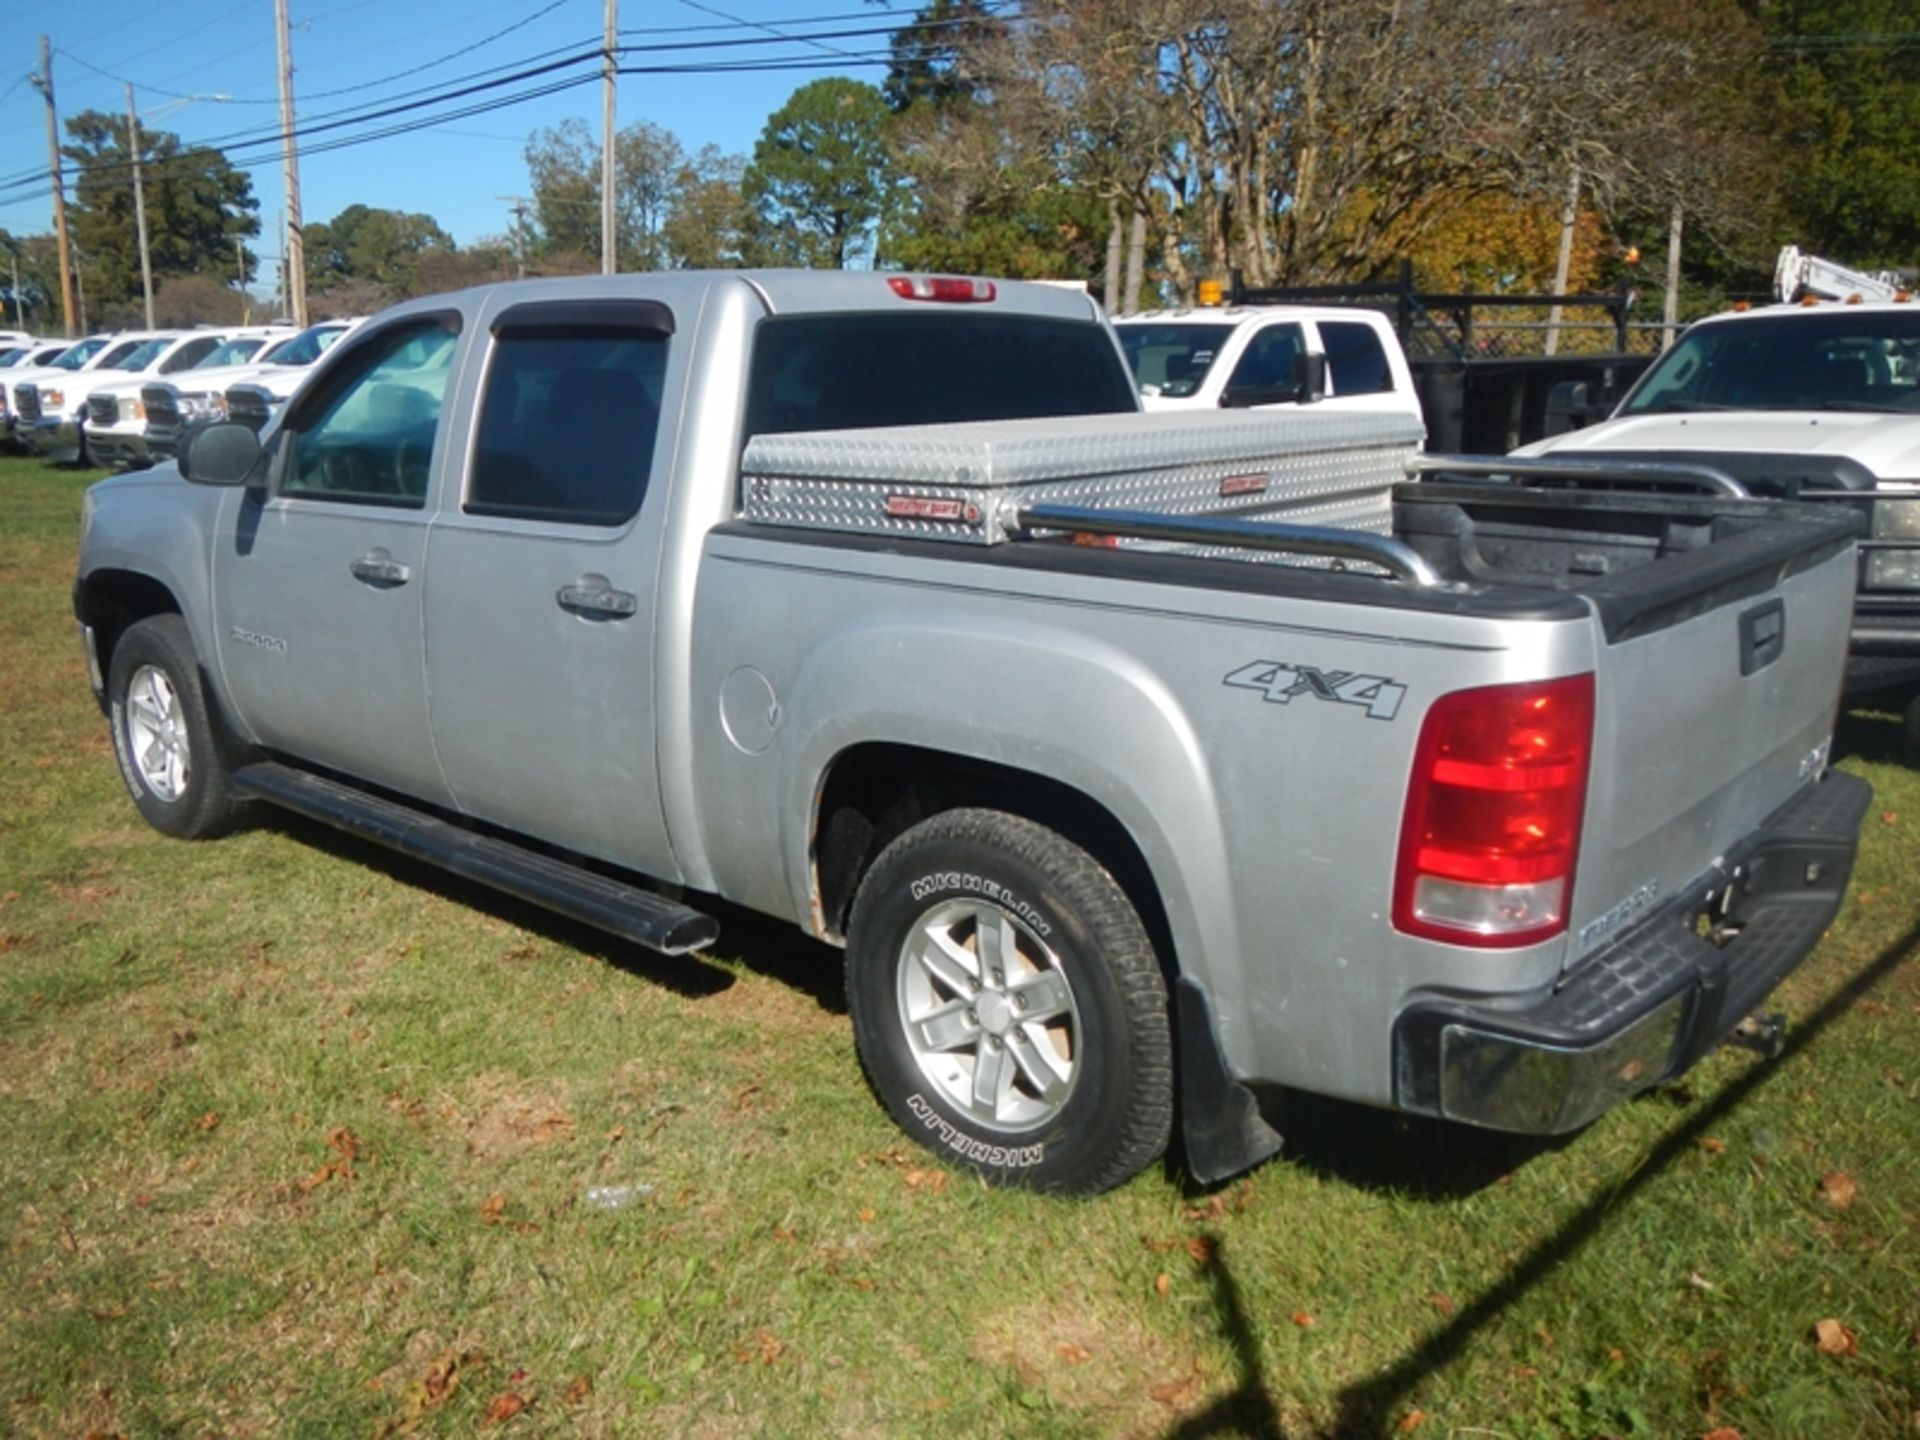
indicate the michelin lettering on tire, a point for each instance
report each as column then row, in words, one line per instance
column 987, row 889
column 1005, row 1157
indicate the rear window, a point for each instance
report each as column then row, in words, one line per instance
column 1356, row 362
column 854, row 372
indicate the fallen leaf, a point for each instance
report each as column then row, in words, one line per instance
column 491, row 1208
column 1833, row 1338
column 1304, row 1320
column 1616, row 1354
column 1445, row 1304
column 934, row 1182
column 1889, row 817
column 208, row 1121
column 866, row 1217
column 578, row 1390
column 1411, row 1421
column 1171, row 1392
column 1201, row 1249
column 505, row 1406
column 1161, row 1283
column 1712, row 1145
column 1723, row 1432
column 1075, row 1354
column 1838, row 1189
column 766, row 1348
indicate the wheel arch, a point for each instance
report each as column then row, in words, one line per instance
column 108, row 601
column 875, row 790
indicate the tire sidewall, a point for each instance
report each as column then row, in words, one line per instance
column 164, row 646
column 905, row 884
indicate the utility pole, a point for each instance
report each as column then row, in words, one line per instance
column 139, row 206
column 518, row 209
column 246, row 300
column 606, row 142
column 1565, row 265
column 43, row 82
column 1672, row 317
column 296, row 261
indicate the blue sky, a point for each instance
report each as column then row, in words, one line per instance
column 387, row 48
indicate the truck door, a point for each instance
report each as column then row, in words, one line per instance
column 540, row 641
column 317, row 579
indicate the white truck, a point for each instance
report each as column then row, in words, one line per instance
column 116, row 418
column 173, row 408
column 871, row 602
column 1812, row 400
column 1262, row 356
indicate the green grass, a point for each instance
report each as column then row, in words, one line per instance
column 299, row 1139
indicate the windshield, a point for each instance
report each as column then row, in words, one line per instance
column 1172, row 359
column 231, row 353
column 307, row 346
column 74, row 356
column 1839, row 359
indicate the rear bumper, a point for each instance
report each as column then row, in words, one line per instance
column 1643, row 1010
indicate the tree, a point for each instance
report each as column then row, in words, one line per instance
column 670, row 211
column 820, row 178
column 1846, row 105
column 706, row 222
column 384, row 248
column 197, row 205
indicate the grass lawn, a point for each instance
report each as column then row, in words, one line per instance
column 303, row 1139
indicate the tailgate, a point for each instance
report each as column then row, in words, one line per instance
column 1716, row 689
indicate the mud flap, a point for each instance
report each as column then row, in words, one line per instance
column 1220, row 1121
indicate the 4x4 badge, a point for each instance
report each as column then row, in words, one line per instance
column 1379, row 695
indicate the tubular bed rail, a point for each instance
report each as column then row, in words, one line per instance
column 1656, row 475
column 1396, row 557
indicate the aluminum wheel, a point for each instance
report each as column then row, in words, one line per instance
column 989, row 1015
column 157, row 733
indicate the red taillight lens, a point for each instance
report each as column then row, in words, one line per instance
column 944, row 288
column 1493, row 814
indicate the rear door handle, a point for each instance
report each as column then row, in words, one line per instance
column 594, row 595
column 379, row 569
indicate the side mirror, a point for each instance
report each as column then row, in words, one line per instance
column 224, row 454
column 1310, row 376
column 1567, row 407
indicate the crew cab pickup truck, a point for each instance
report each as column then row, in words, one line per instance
column 1259, row 356
column 1807, row 401
column 870, row 601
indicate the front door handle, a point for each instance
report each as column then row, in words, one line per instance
column 594, row 596
column 379, row 569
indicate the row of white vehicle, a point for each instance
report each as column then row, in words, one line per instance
column 124, row 400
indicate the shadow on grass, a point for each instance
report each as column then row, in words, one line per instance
column 769, row 947
column 1375, row 1404
column 1875, row 736
column 1410, row 1155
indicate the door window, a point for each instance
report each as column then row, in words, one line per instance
column 190, row 354
column 1269, row 358
column 368, row 437
column 567, row 424
column 1356, row 361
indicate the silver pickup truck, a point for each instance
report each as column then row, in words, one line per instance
column 1139, row 762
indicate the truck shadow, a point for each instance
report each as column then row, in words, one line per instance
column 1407, row 1154
column 1877, row 736
column 757, row 942
column 1376, row 1404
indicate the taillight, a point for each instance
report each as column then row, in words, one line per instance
column 1493, row 814
column 944, row 288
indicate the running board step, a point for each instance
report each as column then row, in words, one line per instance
column 624, row 910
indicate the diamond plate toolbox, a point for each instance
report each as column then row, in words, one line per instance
column 964, row 482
